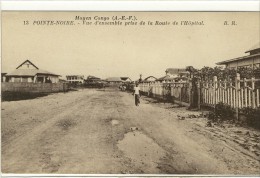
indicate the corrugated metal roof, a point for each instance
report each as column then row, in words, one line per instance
column 29, row 72
column 236, row 59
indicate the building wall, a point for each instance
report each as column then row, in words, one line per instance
column 244, row 63
column 54, row 79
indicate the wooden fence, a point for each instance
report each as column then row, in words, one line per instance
column 237, row 93
column 177, row 92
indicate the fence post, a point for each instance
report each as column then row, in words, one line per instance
column 245, row 86
column 215, row 79
column 253, row 92
column 236, row 89
column 198, row 87
column 190, row 94
column 179, row 85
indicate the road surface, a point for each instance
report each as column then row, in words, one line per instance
column 102, row 132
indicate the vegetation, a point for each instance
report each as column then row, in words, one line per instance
column 207, row 73
column 252, row 116
column 222, row 112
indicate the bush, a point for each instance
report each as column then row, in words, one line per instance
column 252, row 116
column 222, row 112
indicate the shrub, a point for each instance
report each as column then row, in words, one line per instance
column 222, row 112
column 252, row 116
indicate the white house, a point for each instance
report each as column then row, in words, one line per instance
column 76, row 79
column 28, row 72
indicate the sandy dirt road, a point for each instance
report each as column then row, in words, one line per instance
column 102, row 132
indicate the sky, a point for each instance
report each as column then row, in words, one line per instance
column 117, row 51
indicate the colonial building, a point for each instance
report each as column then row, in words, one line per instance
column 173, row 74
column 28, row 72
column 251, row 60
column 75, row 79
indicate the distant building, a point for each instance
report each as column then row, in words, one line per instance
column 28, row 72
column 92, row 79
column 125, row 79
column 114, row 80
column 173, row 74
column 252, row 60
column 75, row 79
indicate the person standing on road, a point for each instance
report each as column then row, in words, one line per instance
column 137, row 94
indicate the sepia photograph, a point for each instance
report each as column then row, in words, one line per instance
column 130, row 93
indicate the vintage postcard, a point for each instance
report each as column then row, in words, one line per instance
column 130, row 93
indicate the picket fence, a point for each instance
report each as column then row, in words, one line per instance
column 237, row 93
column 178, row 92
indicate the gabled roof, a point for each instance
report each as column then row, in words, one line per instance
column 256, row 46
column 29, row 72
column 28, row 62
